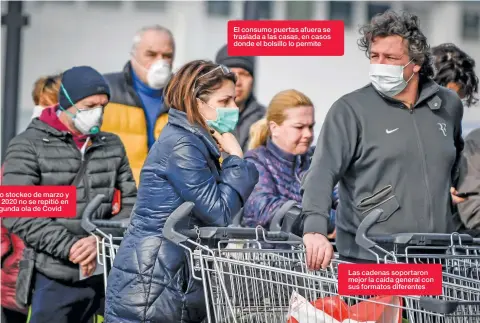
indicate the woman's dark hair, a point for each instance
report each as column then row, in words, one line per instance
column 45, row 90
column 406, row 26
column 196, row 79
column 454, row 65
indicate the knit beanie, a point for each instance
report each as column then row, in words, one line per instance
column 80, row 82
column 245, row 62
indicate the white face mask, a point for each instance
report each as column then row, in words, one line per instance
column 158, row 74
column 388, row 79
column 37, row 111
column 88, row 121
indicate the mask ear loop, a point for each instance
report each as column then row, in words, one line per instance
column 73, row 116
column 413, row 73
column 208, row 105
column 94, row 129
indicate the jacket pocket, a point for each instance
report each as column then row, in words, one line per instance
column 384, row 200
column 376, row 197
column 24, row 288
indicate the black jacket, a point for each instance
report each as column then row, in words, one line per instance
column 386, row 156
column 252, row 112
column 469, row 181
column 42, row 155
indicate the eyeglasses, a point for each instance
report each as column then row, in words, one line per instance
column 225, row 70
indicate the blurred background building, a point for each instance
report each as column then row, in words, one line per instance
column 62, row 34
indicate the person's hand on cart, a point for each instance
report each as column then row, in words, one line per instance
column 319, row 250
column 84, row 251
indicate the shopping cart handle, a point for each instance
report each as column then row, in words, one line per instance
column 237, row 219
column 231, row 233
column 90, row 225
column 169, row 229
column 181, row 235
column 361, row 237
column 442, row 306
column 277, row 220
column 292, row 222
column 424, row 239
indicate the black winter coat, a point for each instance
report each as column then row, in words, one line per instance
column 42, row 155
column 252, row 112
column 151, row 278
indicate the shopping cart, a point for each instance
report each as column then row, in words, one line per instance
column 459, row 254
column 108, row 233
column 258, row 285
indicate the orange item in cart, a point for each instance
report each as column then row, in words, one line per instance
column 379, row 309
column 332, row 306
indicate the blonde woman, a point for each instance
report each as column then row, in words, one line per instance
column 45, row 93
column 280, row 148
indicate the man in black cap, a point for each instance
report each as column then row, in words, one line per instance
column 64, row 147
column 250, row 110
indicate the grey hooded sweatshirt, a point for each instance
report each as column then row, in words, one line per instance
column 384, row 155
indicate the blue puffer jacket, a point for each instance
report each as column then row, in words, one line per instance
column 150, row 280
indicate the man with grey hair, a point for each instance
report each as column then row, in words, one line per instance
column 136, row 111
column 393, row 144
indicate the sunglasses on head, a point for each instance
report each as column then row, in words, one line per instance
column 225, row 70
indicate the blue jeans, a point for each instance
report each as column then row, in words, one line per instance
column 53, row 301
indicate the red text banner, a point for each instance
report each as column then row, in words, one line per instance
column 286, row 38
column 38, row 201
column 390, row 279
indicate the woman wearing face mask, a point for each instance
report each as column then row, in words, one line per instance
column 183, row 165
column 45, row 93
column 63, row 147
column 456, row 71
column 280, row 148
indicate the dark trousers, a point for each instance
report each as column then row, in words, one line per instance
column 53, row 301
column 9, row 316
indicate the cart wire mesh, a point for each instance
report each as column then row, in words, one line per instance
column 252, row 285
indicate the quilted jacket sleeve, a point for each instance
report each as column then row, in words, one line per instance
column 215, row 202
column 44, row 235
column 265, row 199
column 126, row 184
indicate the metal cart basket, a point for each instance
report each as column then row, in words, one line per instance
column 264, row 285
column 108, row 233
